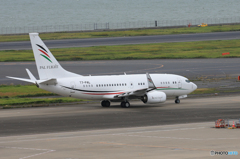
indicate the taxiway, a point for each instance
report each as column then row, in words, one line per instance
column 143, row 131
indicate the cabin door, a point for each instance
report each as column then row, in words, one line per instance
column 179, row 83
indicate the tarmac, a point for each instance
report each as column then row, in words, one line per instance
column 168, row 130
column 194, row 140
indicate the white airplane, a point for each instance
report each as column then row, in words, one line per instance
column 150, row 88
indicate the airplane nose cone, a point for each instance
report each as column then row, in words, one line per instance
column 194, row 86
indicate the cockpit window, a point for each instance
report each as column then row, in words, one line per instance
column 187, row 81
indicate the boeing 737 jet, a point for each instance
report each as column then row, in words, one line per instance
column 149, row 88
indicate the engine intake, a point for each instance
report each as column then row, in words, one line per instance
column 154, row 97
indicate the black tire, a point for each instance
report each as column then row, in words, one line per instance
column 177, row 101
column 125, row 104
column 122, row 104
column 105, row 103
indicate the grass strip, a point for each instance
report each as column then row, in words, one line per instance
column 27, row 101
column 17, row 95
column 133, row 32
column 9, row 91
column 180, row 50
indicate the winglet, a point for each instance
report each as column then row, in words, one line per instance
column 150, row 81
column 30, row 75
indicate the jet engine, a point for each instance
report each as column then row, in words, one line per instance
column 154, row 97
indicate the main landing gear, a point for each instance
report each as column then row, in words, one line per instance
column 105, row 103
column 177, row 101
column 125, row 104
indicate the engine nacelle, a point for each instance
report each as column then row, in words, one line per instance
column 154, row 97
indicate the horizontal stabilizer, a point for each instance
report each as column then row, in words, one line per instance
column 51, row 81
column 22, row 79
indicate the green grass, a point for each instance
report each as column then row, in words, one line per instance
column 17, row 95
column 180, row 50
column 9, row 91
column 28, row 101
column 135, row 32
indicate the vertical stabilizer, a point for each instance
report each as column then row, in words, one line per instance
column 47, row 66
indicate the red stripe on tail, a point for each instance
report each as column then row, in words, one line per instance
column 44, row 53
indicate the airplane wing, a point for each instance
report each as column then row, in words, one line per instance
column 132, row 93
column 140, row 92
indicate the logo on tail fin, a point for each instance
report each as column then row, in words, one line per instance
column 45, row 53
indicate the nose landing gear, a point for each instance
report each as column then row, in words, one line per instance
column 177, row 101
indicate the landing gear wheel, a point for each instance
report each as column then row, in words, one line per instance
column 125, row 104
column 177, row 101
column 105, row 103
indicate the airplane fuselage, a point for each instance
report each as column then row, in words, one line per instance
column 106, row 87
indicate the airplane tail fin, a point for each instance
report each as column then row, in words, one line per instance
column 47, row 66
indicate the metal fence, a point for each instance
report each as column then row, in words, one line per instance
column 123, row 25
